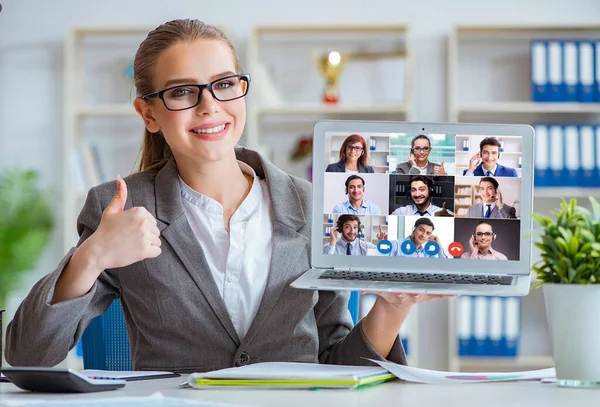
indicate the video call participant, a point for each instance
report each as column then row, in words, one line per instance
column 353, row 156
column 421, row 234
column 356, row 205
column 485, row 161
column 421, row 191
column 481, row 244
column 349, row 228
column 418, row 159
column 492, row 205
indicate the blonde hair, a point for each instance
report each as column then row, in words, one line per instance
column 155, row 152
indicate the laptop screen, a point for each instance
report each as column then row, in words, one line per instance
column 423, row 195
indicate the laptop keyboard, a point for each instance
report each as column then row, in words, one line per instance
column 416, row 277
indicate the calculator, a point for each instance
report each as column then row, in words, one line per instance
column 57, row 380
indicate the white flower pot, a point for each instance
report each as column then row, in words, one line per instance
column 573, row 313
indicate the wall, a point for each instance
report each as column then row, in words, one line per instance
column 31, row 60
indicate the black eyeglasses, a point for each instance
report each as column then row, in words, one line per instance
column 421, row 149
column 184, row 97
column 486, row 234
column 355, row 148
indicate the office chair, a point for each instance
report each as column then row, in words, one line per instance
column 105, row 342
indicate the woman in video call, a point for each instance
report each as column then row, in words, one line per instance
column 202, row 267
column 353, row 156
column 418, row 159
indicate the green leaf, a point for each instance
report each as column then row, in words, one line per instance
column 26, row 221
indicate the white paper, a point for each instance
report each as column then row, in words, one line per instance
column 154, row 400
column 413, row 374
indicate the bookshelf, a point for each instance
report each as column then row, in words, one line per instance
column 488, row 81
column 285, row 100
column 97, row 101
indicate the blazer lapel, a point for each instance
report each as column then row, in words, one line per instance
column 430, row 167
column 175, row 228
column 289, row 235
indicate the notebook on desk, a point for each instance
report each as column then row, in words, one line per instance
column 290, row 375
column 426, row 209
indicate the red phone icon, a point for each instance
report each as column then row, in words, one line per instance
column 456, row 249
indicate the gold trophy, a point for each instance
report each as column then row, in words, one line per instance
column 330, row 66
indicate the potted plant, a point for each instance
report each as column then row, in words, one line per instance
column 26, row 221
column 569, row 272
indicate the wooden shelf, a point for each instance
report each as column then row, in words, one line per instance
column 319, row 109
column 527, row 108
column 566, row 192
column 117, row 109
column 503, row 363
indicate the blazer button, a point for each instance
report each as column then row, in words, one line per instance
column 244, row 359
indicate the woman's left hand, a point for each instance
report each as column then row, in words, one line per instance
column 408, row 299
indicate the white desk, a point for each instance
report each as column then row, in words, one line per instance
column 388, row 394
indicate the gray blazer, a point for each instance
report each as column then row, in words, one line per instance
column 405, row 168
column 340, row 166
column 176, row 318
column 476, row 211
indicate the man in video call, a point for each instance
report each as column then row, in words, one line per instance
column 415, row 245
column 356, row 205
column 418, row 159
column 420, row 188
column 491, row 205
column 485, row 161
column 349, row 227
column 481, row 244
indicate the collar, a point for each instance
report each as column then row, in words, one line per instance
column 493, row 170
column 205, row 203
column 286, row 210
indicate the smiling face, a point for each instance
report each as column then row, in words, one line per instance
column 350, row 230
column 487, row 192
column 421, row 150
column 419, row 193
column 209, row 131
column 355, row 190
column 422, row 235
column 354, row 151
column 489, row 156
column 483, row 236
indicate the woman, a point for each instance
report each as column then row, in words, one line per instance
column 202, row 244
column 353, row 156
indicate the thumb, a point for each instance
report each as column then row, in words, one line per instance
column 442, row 164
column 118, row 202
column 444, row 205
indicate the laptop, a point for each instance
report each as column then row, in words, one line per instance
column 440, row 208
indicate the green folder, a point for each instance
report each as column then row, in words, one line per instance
column 291, row 375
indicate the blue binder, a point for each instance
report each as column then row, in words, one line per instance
column 542, row 156
column 597, row 71
column 481, row 326
column 586, row 91
column 540, row 87
column 555, row 71
column 589, row 172
column 496, row 312
column 571, row 173
column 512, row 325
column 464, row 324
column 570, row 70
column 557, row 155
